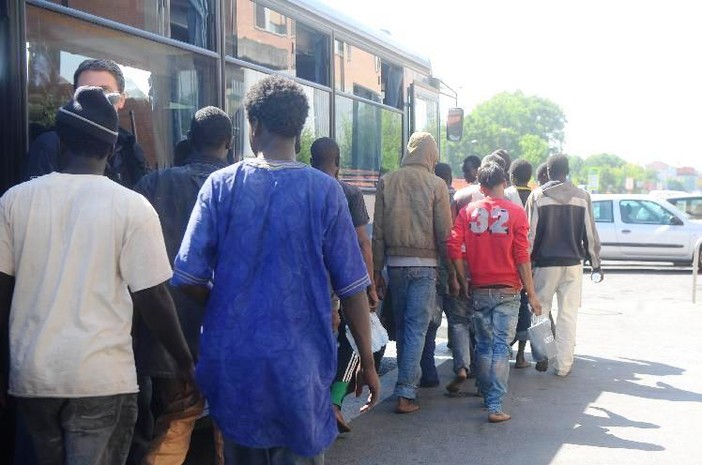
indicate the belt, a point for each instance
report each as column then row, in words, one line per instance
column 509, row 290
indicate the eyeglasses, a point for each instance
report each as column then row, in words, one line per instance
column 113, row 97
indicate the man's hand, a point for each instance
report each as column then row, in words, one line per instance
column 454, row 287
column 535, row 304
column 380, row 285
column 372, row 297
column 595, row 271
column 368, row 377
column 336, row 320
column 187, row 374
column 465, row 288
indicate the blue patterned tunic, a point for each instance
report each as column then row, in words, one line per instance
column 270, row 236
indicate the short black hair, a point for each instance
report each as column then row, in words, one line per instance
column 557, row 166
column 325, row 152
column 520, row 171
column 471, row 161
column 443, row 170
column 100, row 65
column 491, row 175
column 494, row 158
column 210, row 128
column 278, row 103
column 504, row 154
column 81, row 143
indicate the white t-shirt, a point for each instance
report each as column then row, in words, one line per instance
column 76, row 245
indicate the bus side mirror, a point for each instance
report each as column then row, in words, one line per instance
column 454, row 124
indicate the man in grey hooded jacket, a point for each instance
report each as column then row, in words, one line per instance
column 411, row 226
column 562, row 234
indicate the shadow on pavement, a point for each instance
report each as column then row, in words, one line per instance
column 598, row 404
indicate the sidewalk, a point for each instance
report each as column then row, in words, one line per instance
column 625, row 402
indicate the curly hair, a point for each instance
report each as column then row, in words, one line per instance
column 520, row 171
column 278, row 103
column 210, row 128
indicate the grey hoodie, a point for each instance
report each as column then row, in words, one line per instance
column 562, row 228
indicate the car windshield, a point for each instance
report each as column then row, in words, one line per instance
column 679, row 211
column 692, row 205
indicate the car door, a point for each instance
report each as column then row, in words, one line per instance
column 603, row 212
column 648, row 231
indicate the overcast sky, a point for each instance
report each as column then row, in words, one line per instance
column 628, row 74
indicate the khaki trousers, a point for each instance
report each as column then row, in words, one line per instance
column 181, row 405
column 566, row 283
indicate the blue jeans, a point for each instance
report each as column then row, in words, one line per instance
column 459, row 313
column 413, row 292
column 234, row 454
column 80, row 430
column 430, row 375
column 495, row 320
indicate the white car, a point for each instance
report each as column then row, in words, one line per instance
column 644, row 228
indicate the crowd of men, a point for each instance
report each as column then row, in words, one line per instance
column 131, row 301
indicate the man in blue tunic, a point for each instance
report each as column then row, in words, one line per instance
column 264, row 239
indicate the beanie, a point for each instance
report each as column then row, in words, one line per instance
column 91, row 112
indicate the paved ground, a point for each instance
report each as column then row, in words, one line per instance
column 634, row 395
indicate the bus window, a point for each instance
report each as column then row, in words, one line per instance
column 164, row 88
column 238, row 81
column 189, row 21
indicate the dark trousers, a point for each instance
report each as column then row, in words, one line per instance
column 524, row 319
column 234, row 454
column 84, row 430
column 347, row 363
column 144, row 428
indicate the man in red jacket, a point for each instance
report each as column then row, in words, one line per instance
column 494, row 233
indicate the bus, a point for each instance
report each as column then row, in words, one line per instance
column 366, row 90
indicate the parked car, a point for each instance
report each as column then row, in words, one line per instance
column 690, row 204
column 644, row 228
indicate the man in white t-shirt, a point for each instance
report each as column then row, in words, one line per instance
column 77, row 253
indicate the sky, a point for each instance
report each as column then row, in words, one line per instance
column 627, row 74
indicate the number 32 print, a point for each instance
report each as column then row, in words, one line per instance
column 495, row 221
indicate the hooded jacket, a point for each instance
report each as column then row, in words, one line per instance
column 562, row 228
column 412, row 207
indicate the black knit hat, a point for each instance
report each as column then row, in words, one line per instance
column 91, row 112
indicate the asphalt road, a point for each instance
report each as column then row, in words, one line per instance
column 634, row 395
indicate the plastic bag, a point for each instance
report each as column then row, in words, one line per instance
column 541, row 338
column 379, row 337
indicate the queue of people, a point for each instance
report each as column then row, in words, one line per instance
column 131, row 309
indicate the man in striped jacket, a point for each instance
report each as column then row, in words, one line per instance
column 562, row 234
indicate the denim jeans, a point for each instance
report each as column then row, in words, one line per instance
column 495, row 320
column 72, row 431
column 430, row 375
column 459, row 313
column 413, row 293
column 234, row 454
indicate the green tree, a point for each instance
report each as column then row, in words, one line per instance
column 533, row 149
column 612, row 171
column 504, row 121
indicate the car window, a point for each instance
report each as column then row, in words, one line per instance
column 602, row 211
column 643, row 212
